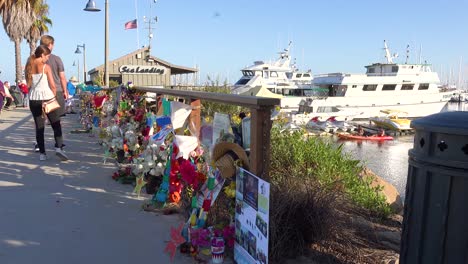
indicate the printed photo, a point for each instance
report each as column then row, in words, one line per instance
column 240, row 184
column 261, row 225
column 261, row 257
column 252, row 245
column 239, row 205
column 251, row 190
column 263, row 204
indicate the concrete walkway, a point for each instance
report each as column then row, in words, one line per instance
column 70, row 212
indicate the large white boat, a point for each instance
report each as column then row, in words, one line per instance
column 412, row 88
column 279, row 77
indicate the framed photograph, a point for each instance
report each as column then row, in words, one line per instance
column 246, row 133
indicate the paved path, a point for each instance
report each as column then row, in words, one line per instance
column 70, row 212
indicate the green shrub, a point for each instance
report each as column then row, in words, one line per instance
column 293, row 155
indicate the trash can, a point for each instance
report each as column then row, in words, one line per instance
column 435, row 223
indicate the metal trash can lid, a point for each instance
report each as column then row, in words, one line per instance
column 447, row 122
column 441, row 139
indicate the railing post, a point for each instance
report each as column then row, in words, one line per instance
column 195, row 118
column 260, row 127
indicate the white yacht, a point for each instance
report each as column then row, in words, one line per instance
column 279, row 77
column 412, row 88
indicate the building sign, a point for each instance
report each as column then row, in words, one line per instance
column 140, row 69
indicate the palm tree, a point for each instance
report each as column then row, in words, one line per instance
column 17, row 18
column 40, row 26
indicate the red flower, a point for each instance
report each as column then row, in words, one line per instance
column 188, row 172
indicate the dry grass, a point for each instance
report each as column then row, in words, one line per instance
column 300, row 214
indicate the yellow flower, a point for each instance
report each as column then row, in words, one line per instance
column 230, row 190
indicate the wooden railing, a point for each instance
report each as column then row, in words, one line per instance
column 260, row 125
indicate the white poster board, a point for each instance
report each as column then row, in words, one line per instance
column 252, row 219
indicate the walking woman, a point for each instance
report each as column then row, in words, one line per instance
column 42, row 88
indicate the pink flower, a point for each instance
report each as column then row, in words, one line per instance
column 200, row 237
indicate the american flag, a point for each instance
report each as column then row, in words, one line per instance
column 131, row 24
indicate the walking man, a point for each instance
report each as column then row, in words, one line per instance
column 58, row 71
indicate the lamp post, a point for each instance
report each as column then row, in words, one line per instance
column 78, row 51
column 91, row 6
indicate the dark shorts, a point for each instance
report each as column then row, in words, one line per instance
column 61, row 102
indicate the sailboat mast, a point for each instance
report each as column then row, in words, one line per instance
column 420, row 54
column 460, row 74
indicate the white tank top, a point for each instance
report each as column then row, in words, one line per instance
column 40, row 89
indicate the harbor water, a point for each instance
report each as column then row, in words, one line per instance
column 389, row 159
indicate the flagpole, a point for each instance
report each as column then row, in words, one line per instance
column 138, row 31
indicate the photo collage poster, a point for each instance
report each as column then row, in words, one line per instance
column 252, row 218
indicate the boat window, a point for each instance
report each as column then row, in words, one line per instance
column 407, row 87
column 306, row 75
column 371, row 70
column 370, row 87
column 265, row 74
column 327, row 109
column 299, row 75
column 354, row 86
column 286, row 92
column 273, row 74
column 289, row 75
column 388, row 87
column 394, row 68
column 242, row 81
column 423, row 86
column 247, row 73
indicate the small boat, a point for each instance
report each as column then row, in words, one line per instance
column 326, row 126
column 340, row 125
column 392, row 120
column 356, row 137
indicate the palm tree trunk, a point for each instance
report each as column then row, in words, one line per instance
column 19, row 71
column 32, row 47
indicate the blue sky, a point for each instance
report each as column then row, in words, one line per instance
column 221, row 37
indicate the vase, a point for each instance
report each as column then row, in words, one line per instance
column 217, row 252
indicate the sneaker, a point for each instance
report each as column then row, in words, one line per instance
column 42, row 157
column 61, row 154
column 36, row 147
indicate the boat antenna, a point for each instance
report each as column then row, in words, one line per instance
column 289, row 46
column 285, row 52
column 407, row 54
column 388, row 55
column 420, row 53
column 150, row 21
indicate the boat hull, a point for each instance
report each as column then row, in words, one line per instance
column 392, row 124
column 372, row 138
column 414, row 110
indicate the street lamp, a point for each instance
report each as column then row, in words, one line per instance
column 91, row 6
column 78, row 51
